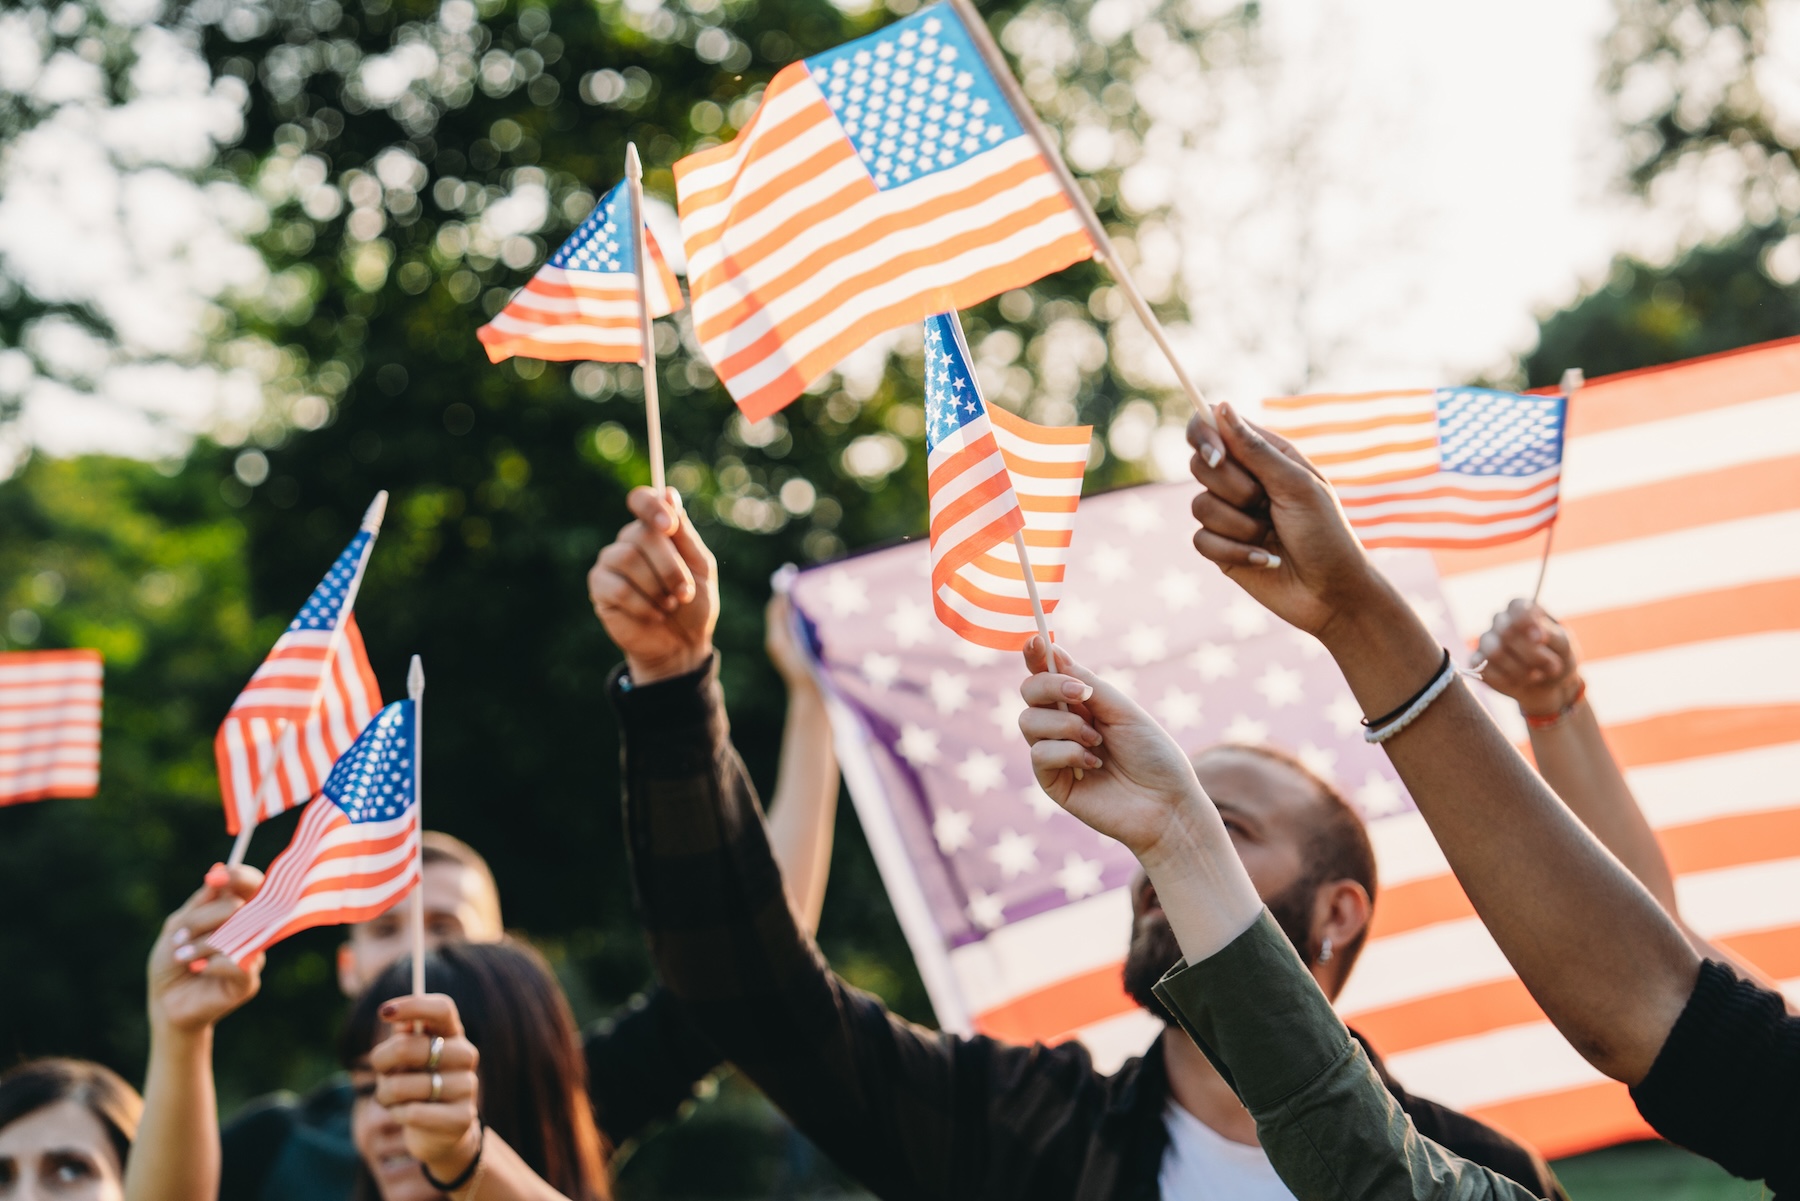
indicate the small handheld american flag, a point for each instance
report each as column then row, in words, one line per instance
column 307, row 702
column 356, row 850
column 1452, row 467
column 49, row 724
column 878, row 183
column 1002, row 489
column 583, row 302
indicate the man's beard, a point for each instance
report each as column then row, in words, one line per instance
column 1154, row 951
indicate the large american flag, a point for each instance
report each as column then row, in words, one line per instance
column 583, row 302
column 1677, row 566
column 49, row 724
column 878, row 183
column 1450, row 467
column 356, row 850
column 991, row 475
column 308, row 700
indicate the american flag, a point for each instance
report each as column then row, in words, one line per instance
column 992, row 474
column 356, row 850
column 1017, row 914
column 49, row 724
column 877, row 184
column 1450, row 467
column 307, row 701
column 583, row 303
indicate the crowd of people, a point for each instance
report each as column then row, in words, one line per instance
column 1257, row 888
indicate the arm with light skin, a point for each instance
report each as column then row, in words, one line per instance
column 445, row 1135
column 1598, row 953
column 804, row 805
column 1534, row 660
column 176, row 1152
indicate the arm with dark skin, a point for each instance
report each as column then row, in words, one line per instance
column 1609, row 966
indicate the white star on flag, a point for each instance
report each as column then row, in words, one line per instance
column 847, row 594
column 1015, row 854
column 1178, row 709
column 1320, row 761
column 1246, row 618
column 1079, row 877
column 917, row 745
column 1213, row 661
column 1379, row 796
column 1280, row 686
column 986, row 910
column 949, row 691
column 982, row 772
column 1179, row 589
column 1344, row 714
column 910, row 623
column 1110, row 564
column 1244, row 728
column 881, row 670
column 953, row 830
column 1145, row 643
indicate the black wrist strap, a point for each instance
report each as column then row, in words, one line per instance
column 1376, row 722
column 463, row 1177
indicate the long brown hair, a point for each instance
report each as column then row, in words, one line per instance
column 533, row 1074
column 40, row 1083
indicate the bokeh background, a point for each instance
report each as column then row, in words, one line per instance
column 245, row 244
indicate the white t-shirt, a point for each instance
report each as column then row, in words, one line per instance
column 1201, row 1164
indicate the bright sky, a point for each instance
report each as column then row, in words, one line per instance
column 1427, row 174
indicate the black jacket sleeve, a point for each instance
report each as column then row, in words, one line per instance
column 643, row 1063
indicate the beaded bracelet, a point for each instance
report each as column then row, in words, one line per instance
column 1549, row 721
column 1384, row 728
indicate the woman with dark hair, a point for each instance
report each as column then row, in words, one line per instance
column 66, row 1127
column 477, row 1088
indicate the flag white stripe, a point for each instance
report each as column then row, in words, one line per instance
column 749, row 232
column 1038, row 951
column 1357, row 495
column 1756, row 669
column 1366, row 441
column 1399, row 463
column 775, row 111
column 1430, row 960
column 1453, row 531
column 1706, row 787
column 51, row 735
column 1367, row 514
column 1742, row 899
column 1675, row 447
column 1499, row 1065
column 74, row 674
column 987, row 619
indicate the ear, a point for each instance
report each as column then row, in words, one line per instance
column 1341, row 911
column 349, row 979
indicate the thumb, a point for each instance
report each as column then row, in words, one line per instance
column 694, row 552
column 1107, row 703
column 1275, row 464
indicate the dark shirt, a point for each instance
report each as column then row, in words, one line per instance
column 643, row 1063
column 910, row 1112
column 1726, row 1083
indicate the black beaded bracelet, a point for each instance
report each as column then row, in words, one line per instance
column 450, row 1186
column 1377, row 722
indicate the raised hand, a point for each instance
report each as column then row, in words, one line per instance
column 1272, row 524
column 426, row 1077
column 1531, row 659
column 783, row 647
column 656, row 589
column 191, row 988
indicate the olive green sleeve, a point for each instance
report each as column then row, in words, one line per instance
column 1331, row 1129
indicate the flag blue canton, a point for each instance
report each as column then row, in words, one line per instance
column 320, row 612
column 952, row 399
column 915, row 98
column 1484, row 432
column 602, row 242
column 373, row 780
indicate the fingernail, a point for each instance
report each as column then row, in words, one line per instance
column 1214, row 456
column 389, row 1009
column 1262, row 558
column 1227, row 412
column 198, row 966
column 1075, row 690
column 181, row 937
column 218, row 876
column 664, row 522
column 670, row 603
column 1095, row 739
column 1092, row 761
column 183, row 954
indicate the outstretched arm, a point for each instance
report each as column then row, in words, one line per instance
column 1597, row 951
column 176, row 1152
column 803, row 810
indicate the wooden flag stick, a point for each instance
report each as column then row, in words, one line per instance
column 634, row 186
column 1572, row 380
column 1103, row 247
column 415, row 688
column 1037, row 611
column 290, row 736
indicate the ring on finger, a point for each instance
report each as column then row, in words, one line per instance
column 437, row 1087
column 437, row 1051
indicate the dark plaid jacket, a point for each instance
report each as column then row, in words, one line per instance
column 910, row 1112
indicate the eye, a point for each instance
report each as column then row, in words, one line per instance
column 70, row 1167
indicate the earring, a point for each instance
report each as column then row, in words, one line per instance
column 1325, row 951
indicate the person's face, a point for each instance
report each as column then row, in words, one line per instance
column 59, row 1153
column 459, row 907
column 1265, row 806
column 381, row 1144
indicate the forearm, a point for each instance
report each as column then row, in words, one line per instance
column 1575, row 761
column 803, row 810
column 175, row 1156
column 1595, row 949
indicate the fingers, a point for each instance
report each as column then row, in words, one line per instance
column 1054, row 725
column 1048, row 688
column 1048, row 759
column 1218, row 474
column 1271, row 460
column 660, row 513
column 403, row 1088
column 612, row 589
column 1230, row 522
column 1228, row 553
column 435, row 1013
column 410, row 1052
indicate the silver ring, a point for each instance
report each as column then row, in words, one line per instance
column 437, row 1086
column 437, row 1050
